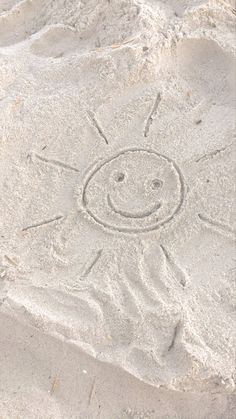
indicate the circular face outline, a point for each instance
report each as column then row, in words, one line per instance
column 134, row 230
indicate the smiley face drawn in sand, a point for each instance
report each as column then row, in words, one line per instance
column 135, row 191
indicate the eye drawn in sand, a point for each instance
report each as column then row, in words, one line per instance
column 135, row 191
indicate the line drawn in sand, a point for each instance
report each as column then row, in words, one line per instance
column 91, row 391
column 211, row 154
column 57, row 163
column 11, row 260
column 42, row 223
column 152, row 115
column 217, row 226
column 175, row 335
column 175, row 268
column 54, row 386
column 90, row 265
column 97, row 126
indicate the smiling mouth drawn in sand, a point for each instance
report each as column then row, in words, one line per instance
column 135, row 191
column 141, row 214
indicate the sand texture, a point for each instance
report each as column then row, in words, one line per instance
column 117, row 209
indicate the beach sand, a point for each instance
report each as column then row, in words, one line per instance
column 117, row 209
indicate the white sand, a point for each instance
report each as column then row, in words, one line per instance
column 117, row 209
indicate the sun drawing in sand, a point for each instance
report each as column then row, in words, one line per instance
column 128, row 255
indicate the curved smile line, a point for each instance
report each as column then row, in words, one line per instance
column 127, row 214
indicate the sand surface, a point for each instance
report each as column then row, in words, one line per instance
column 117, row 209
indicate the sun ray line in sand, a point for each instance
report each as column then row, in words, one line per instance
column 54, row 386
column 178, row 272
column 56, row 163
column 91, row 391
column 10, row 260
column 217, row 226
column 211, row 154
column 97, row 125
column 152, row 115
column 175, row 334
column 90, row 266
column 42, row 223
